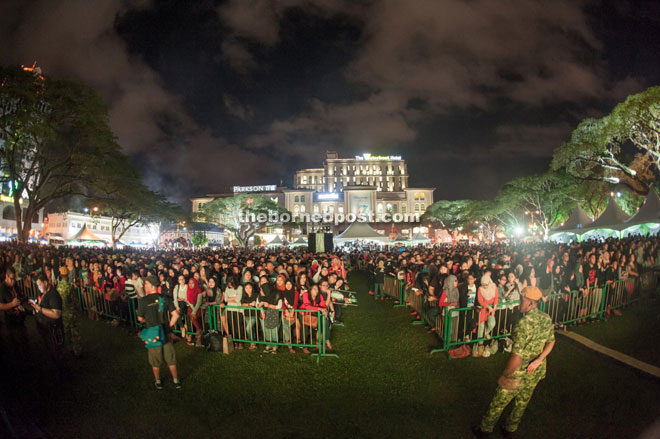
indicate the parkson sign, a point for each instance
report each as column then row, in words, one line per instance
column 367, row 156
column 262, row 188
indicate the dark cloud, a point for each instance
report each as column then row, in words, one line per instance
column 471, row 93
column 77, row 40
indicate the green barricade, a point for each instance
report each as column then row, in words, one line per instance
column 395, row 289
column 576, row 306
column 458, row 326
column 93, row 300
column 290, row 328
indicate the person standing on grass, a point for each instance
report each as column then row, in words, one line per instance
column 48, row 311
column 533, row 340
column 149, row 314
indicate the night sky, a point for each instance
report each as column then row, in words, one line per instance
column 205, row 95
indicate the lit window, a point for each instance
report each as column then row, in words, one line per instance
column 421, row 196
column 416, row 195
column 416, row 207
column 302, row 208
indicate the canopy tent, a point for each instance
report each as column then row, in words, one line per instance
column 612, row 219
column 276, row 242
column 298, row 242
column 647, row 217
column 419, row 238
column 575, row 223
column 85, row 236
column 360, row 232
column 577, row 220
column 399, row 239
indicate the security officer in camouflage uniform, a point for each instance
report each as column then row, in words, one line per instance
column 70, row 312
column 533, row 340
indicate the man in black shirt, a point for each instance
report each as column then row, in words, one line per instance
column 10, row 304
column 48, row 311
column 149, row 314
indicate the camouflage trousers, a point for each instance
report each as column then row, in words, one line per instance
column 502, row 398
column 72, row 333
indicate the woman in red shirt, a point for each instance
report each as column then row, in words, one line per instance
column 313, row 301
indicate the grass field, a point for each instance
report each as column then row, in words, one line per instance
column 634, row 333
column 383, row 385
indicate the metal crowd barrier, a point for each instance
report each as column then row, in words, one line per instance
column 29, row 287
column 295, row 328
column 457, row 326
column 461, row 325
column 415, row 298
column 395, row 289
column 93, row 300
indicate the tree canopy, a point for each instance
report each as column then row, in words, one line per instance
column 597, row 149
column 55, row 140
column 243, row 215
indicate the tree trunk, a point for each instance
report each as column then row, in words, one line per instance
column 18, row 217
column 27, row 225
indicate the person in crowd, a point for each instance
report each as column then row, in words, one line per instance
column 379, row 280
column 487, row 303
column 270, row 300
column 313, row 301
column 235, row 314
column 289, row 306
column 70, row 313
column 12, row 305
column 249, row 300
column 151, row 314
column 194, row 311
column 48, row 309
column 533, row 340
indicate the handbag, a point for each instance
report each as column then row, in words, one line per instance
column 289, row 316
column 272, row 318
column 154, row 337
column 310, row 320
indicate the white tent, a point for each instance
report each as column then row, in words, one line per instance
column 647, row 217
column 276, row 242
column 298, row 242
column 577, row 221
column 360, row 232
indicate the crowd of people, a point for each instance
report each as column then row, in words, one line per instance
column 489, row 279
column 272, row 297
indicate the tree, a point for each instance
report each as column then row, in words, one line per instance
column 129, row 203
column 448, row 214
column 55, row 140
column 243, row 215
column 597, row 148
column 485, row 216
column 549, row 196
column 199, row 239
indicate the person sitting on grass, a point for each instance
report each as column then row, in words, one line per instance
column 149, row 314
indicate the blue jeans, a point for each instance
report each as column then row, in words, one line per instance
column 270, row 335
column 378, row 290
column 250, row 327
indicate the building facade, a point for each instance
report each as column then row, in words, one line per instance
column 367, row 184
column 68, row 224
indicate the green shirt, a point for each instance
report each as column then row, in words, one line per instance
column 530, row 335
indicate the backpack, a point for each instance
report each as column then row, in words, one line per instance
column 154, row 337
